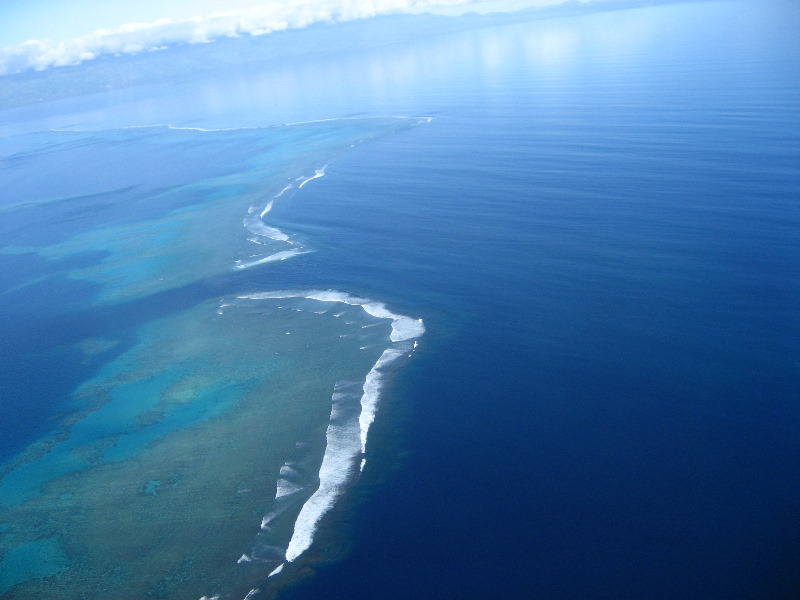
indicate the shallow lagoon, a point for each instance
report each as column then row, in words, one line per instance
column 202, row 452
column 212, row 425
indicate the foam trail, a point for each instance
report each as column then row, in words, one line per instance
column 283, row 191
column 204, row 129
column 267, row 208
column 372, row 391
column 424, row 119
column 255, row 223
column 256, row 226
column 348, row 429
column 283, row 255
column 334, row 472
column 403, row 328
column 286, row 488
column 276, row 570
column 70, row 129
column 317, row 174
column 267, row 520
column 287, row 470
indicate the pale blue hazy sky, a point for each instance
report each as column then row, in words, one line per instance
column 23, row 20
column 40, row 34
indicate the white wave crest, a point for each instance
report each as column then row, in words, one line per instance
column 286, row 470
column 286, row 488
column 342, row 448
column 267, row 519
column 282, row 255
column 256, row 226
column 317, row 174
column 372, row 391
column 347, row 432
column 403, row 328
column 267, row 208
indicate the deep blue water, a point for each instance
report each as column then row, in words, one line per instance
column 600, row 227
column 615, row 240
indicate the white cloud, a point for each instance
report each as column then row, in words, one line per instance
column 132, row 38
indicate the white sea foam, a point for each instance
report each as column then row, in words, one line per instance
column 203, row 129
column 334, row 472
column 317, row 174
column 372, row 390
column 406, row 328
column 267, row 519
column 282, row 255
column 286, row 488
column 276, row 570
column 254, row 223
column 256, row 226
column 419, row 119
column 403, row 328
column 351, row 415
column 283, row 191
column 399, row 117
column 267, row 208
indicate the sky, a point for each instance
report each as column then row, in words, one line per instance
column 39, row 34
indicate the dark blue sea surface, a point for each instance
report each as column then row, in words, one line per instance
column 600, row 228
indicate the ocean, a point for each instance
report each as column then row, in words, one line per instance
column 510, row 311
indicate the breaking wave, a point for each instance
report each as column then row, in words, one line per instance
column 353, row 410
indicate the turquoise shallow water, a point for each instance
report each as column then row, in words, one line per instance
column 277, row 390
column 599, row 227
